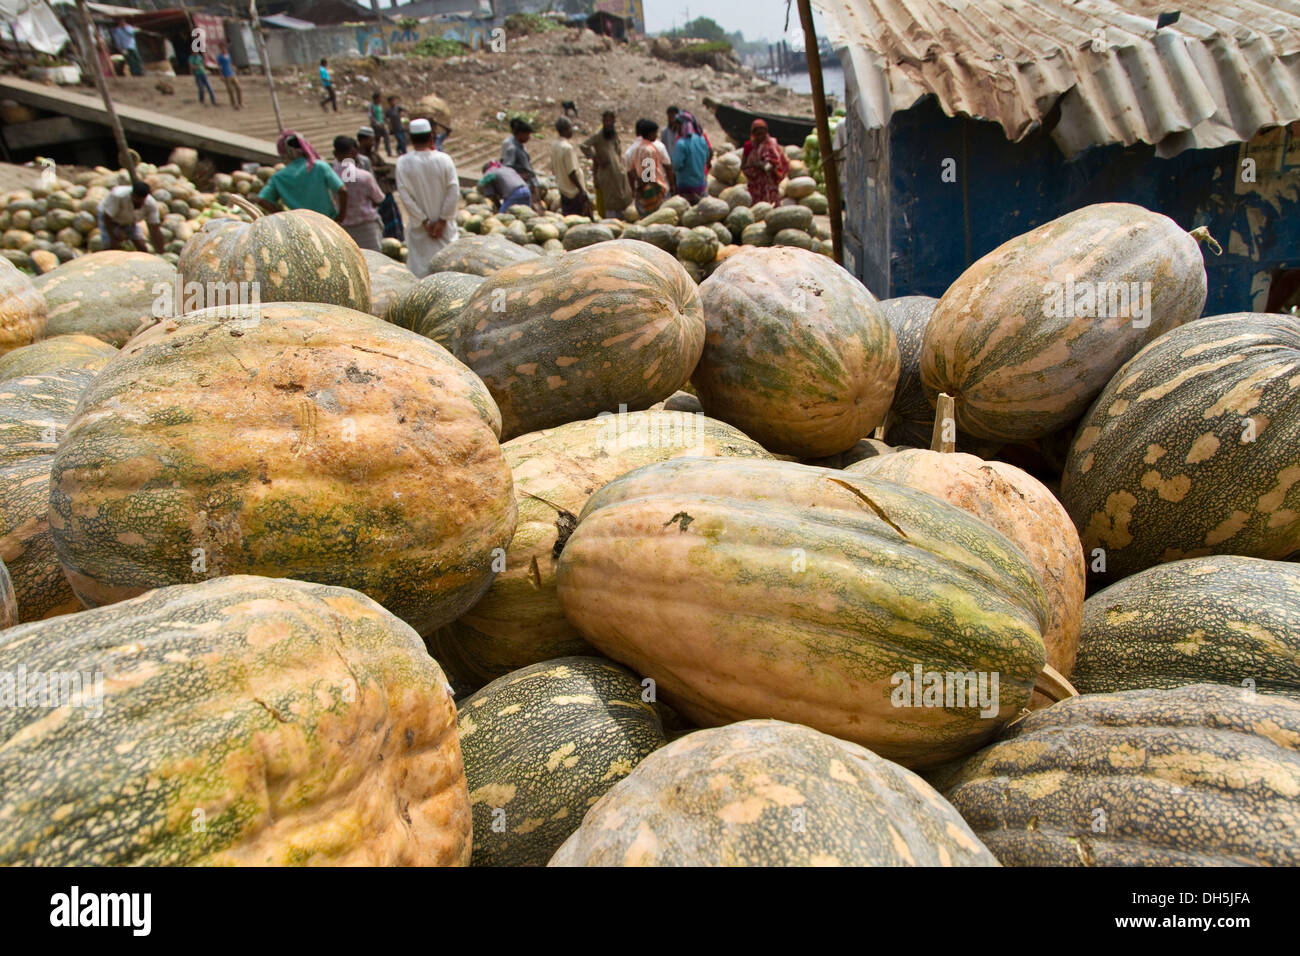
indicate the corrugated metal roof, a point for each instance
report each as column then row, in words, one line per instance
column 1220, row 73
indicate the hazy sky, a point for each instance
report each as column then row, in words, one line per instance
column 756, row 18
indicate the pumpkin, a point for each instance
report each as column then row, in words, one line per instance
column 544, row 743
column 240, row 721
column 479, row 255
column 1203, row 775
column 22, row 309
column 389, row 279
column 661, row 236
column 798, row 218
column 711, row 209
column 579, row 237
column 295, row 256
column 768, row 793
column 244, row 449
column 698, row 247
column 683, row 402
column 8, row 602
column 755, row 234
column 794, row 237
column 1191, row 449
column 866, row 448
column 798, row 354
column 432, row 306
column 520, row 621
column 1027, row 336
column 911, row 416
column 54, row 355
column 1023, row 510
column 751, row 588
column 34, row 411
column 563, row 338
column 111, row 295
column 27, row 544
column 664, row 214
column 1221, row 619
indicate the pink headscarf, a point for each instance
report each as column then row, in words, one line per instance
column 308, row 151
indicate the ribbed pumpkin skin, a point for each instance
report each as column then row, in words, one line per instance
column 27, row 544
column 1159, row 471
column 751, row 588
column 35, row 410
column 388, row 280
column 798, row 354
column 911, row 421
column 1221, row 619
column 1021, row 508
column 1017, row 372
column 320, row 444
column 296, row 256
column 1204, row 775
column 432, row 306
column 479, row 255
column 109, row 295
column 54, row 355
column 520, row 621
column 542, row 744
column 246, row 721
column 22, row 309
column 562, row 338
column 767, row 793
column 860, row 451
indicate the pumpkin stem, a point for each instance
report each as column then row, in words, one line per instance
column 565, row 522
column 1202, row 234
column 1052, row 685
column 255, row 211
column 945, row 410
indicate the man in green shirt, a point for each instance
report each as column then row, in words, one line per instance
column 306, row 182
column 201, row 77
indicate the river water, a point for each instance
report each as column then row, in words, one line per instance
column 832, row 77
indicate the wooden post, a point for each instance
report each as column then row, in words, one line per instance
column 823, row 128
column 91, row 52
column 945, row 410
column 266, row 62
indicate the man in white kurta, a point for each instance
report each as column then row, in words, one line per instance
column 430, row 191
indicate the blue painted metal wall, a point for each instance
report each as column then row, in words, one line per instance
column 1002, row 189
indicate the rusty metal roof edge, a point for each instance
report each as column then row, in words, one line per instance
column 1224, row 71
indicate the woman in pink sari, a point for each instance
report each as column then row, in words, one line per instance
column 764, row 164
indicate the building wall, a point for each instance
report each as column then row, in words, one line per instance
column 306, row 47
column 934, row 229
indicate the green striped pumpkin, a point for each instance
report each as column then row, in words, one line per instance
column 768, row 793
column 798, row 354
column 296, row 256
column 520, row 621
column 1203, row 775
column 1191, row 449
column 479, row 255
column 54, row 355
column 240, row 721
column 110, row 295
column 911, row 416
column 432, row 306
column 562, row 338
column 541, row 745
column 1221, row 619
column 752, row 588
column 35, row 410
column 1020, row 350
column 388, row 280
column 305, row 441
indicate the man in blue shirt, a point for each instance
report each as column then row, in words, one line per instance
column 124, row 39
column 227, row 69
column 691, row 161
column 328, row 86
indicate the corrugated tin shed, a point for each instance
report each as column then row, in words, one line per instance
column 1216, row 75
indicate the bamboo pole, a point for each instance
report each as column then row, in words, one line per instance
column 266, row 62
column 814, row 57
column 91, row 53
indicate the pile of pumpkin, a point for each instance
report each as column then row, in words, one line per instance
column 391, row 571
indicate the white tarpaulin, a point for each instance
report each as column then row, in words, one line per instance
column 34, row 24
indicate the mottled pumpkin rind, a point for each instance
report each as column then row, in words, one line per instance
column 110, row 295
column 297, row 444
column 768, row 793
column 298, row 723
column 388, row 280
column 432, row 306
column 1018, row 372
column 22, row 309
column 1203, row 775
column 1191, row 448
column 55, row 354
column 542, row 744
column 520, row 621
column 1222, row 619
column 752, row 588
column 480, row 255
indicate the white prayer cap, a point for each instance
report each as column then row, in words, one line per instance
column 421, row 126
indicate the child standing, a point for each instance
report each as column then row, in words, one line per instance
column 377, row 123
